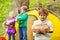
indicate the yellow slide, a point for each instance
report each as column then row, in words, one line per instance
column 51, row 17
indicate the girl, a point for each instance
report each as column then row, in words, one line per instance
column 10, row 21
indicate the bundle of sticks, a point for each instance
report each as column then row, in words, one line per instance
column 42, row 28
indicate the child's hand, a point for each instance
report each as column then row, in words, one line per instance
column 38, row 31
column 51, row 30
column 7, row 23
column 42, row 30
column 16, row 17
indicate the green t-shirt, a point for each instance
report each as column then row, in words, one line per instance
column 23, row 17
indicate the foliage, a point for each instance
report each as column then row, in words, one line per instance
column 7, row 5
column 5, row 8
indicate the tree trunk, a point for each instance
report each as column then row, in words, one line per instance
column 19, row 3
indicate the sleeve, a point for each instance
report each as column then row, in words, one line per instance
column 51, row 26
column 23, row 17
column 12, row 21
column 33, row 27
column 4, row 23
column 16, row 17
column 34, row 24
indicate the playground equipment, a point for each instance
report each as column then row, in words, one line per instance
column 33, row 15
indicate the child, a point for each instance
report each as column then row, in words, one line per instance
column 22, row 18
column 10, row 21
column 44, row 35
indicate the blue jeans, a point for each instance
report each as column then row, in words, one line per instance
column 23, row 33
column 9, row 36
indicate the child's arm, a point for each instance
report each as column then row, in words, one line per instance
column 34, row 30
column 34, row 26
column 23, row 17
column 12, row 21
column 5, row 23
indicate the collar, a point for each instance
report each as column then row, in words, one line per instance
column 44, row 21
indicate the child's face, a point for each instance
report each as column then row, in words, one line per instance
column 43, row 17
column 11, row 15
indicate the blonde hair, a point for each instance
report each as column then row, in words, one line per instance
column 12, row 13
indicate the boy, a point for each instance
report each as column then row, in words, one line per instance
column 22, row 18
column 44, row 35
